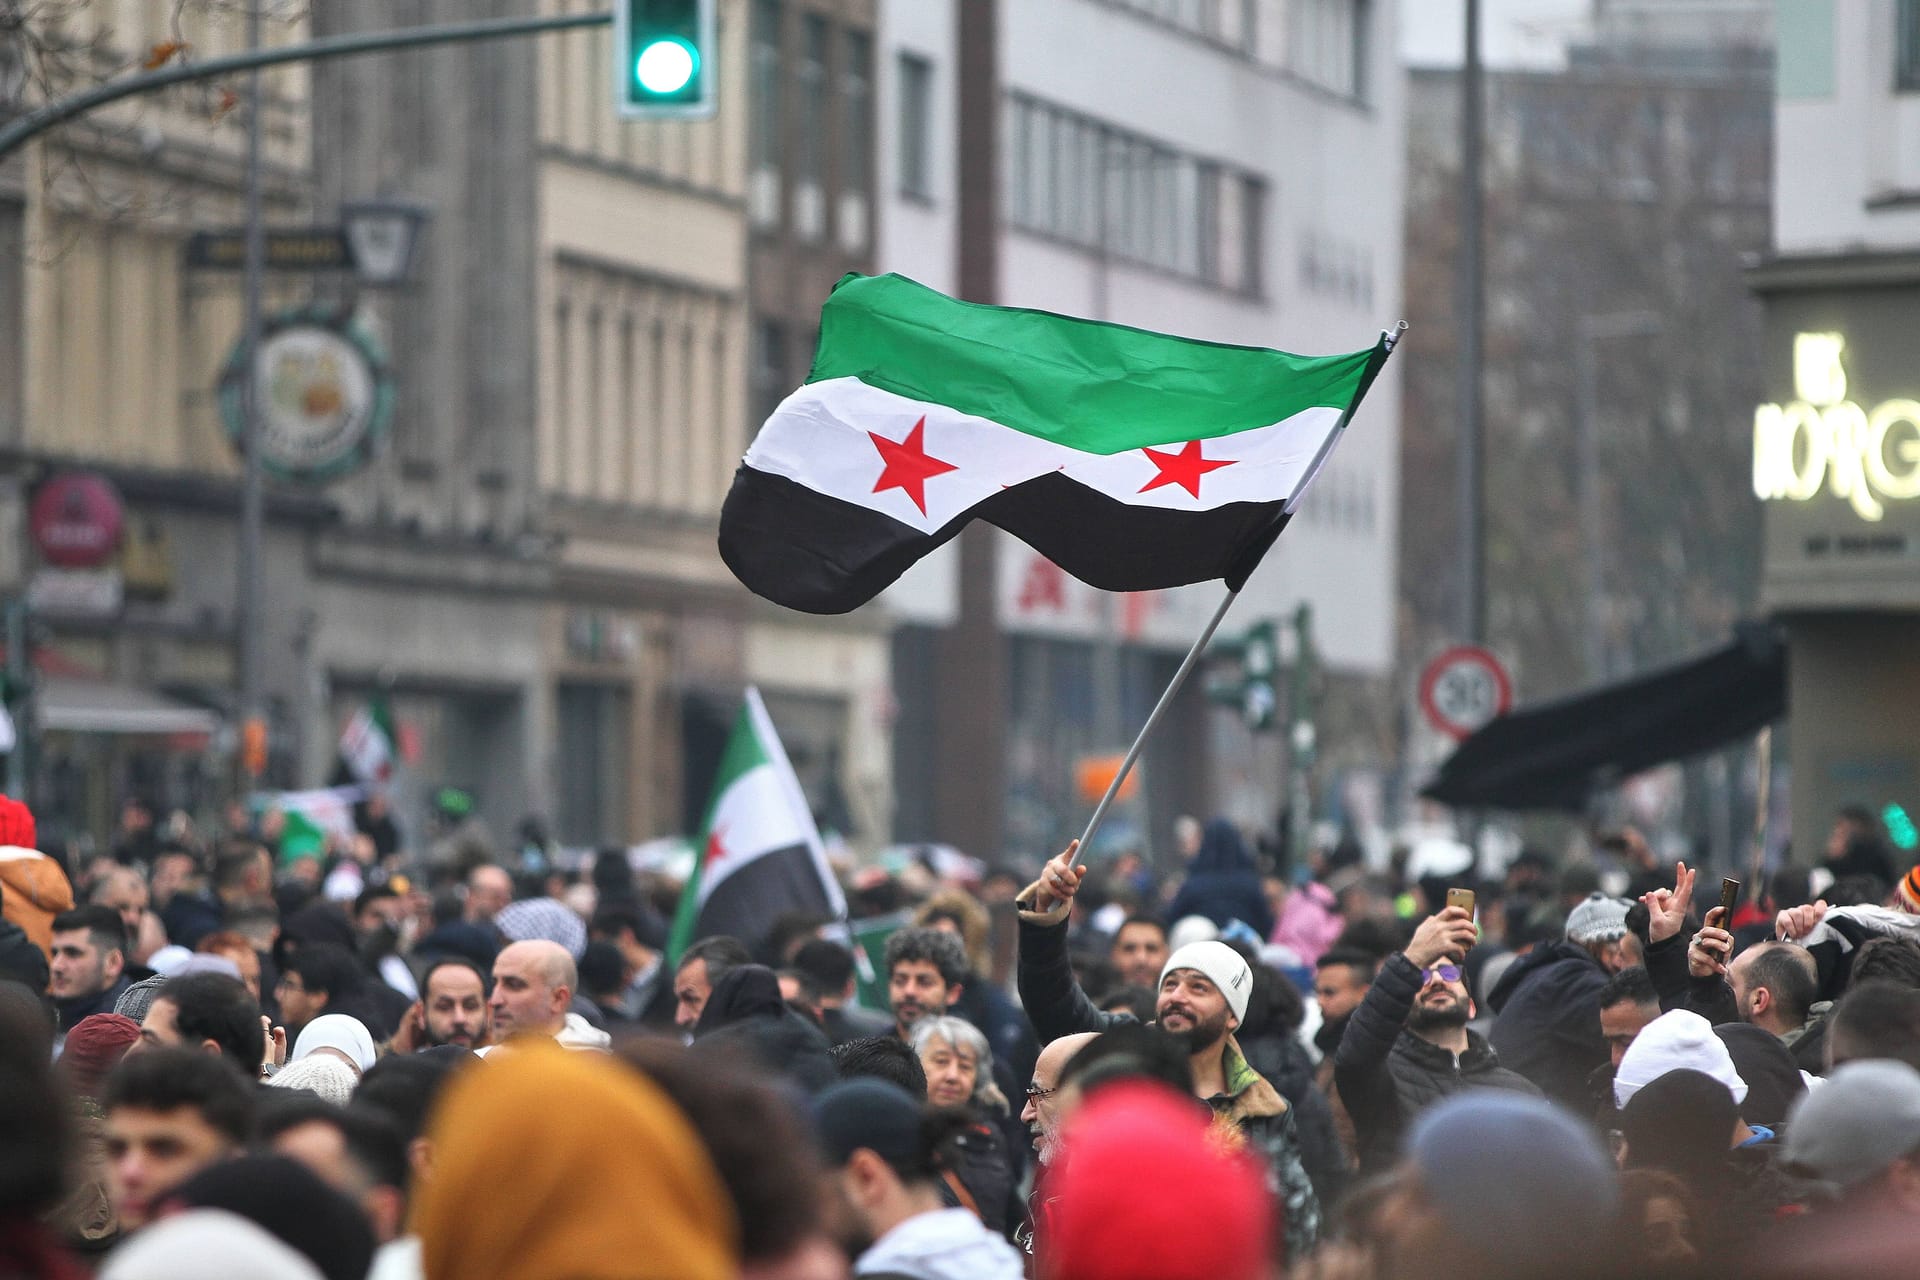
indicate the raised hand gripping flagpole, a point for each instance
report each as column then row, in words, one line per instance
column 1389, row 338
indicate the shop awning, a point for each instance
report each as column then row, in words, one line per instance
column 73, row 705
column 1553, row 755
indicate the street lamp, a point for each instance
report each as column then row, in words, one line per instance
column 383, row 235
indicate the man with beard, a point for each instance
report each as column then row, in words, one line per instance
column 1201, row 998
column 89, row 960
column 452, row 1008
column 885, row 1171
column 1139, row 951
column 1407, row 1044
column 926, row 970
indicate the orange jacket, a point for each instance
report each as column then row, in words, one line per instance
column 33, row 890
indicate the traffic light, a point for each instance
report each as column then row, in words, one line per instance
column 663, row 59
column 1259, row 665
column 1253, row 689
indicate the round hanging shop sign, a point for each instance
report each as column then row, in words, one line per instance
column 324, row 395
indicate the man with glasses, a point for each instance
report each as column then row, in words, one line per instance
column 1407, row 1045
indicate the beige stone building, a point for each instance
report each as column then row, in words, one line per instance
column 527, row 565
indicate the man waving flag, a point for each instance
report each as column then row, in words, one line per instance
column 1133, row 460
column 759, row 854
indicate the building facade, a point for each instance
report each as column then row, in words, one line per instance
column 111, row 350
column 524, row 563
column 1226, row 171
column 1836, row 436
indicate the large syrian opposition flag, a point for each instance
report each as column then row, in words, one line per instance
column 759, row 853
column 1133, row 460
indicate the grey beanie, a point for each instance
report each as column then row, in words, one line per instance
column 138, row 998
column 1598, row 919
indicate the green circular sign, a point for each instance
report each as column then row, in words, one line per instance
column 323, row 393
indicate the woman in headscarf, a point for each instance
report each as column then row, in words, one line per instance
column 959, row 1069
column 585, row 1169
column 330, row 1055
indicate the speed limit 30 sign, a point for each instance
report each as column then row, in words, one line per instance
column 1464, row 688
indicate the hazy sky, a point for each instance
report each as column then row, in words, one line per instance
column 1528, row 33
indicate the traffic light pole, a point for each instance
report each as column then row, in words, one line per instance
column 1153, row 718
column 18, row 132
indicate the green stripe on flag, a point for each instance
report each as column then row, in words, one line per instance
column 745, row 753
column 1090, row 385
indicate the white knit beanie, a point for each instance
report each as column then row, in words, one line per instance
column 321, row 1073
column 1598, row 919
column 1672, row 1042
column 1223, row 967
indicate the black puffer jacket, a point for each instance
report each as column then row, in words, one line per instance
column 1387, row 1075
column 1547, row 1019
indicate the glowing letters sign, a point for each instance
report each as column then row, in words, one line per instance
column 1867, row 456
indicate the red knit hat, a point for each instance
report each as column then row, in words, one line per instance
column 1142, row 1192
column 16, row 824
column 94, row 1047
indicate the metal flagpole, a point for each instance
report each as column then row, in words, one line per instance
column 1389, row 338
column 1133, row 752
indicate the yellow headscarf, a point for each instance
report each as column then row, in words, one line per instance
column 557, row 1165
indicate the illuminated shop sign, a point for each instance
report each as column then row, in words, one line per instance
column 1866, row 455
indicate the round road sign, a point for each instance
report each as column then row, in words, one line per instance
column 1464, row 688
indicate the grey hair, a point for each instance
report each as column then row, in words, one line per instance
column 962, row 1034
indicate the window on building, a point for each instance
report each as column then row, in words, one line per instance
column 593, row 734
column 916, row 127
column 809, row 197
column 1134, row 199
column 856, row 169
column 1253, row 201
column 1327, row 43
column 1906, row 47
column 763, row 191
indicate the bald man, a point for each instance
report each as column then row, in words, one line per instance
column 533, row 982
column 1041, row 1113
column 489, row 889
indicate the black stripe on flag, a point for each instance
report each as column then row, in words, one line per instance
column 746, row 903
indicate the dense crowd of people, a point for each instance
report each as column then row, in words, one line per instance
column 360, row 1061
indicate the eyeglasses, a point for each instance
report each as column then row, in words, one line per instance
column 1444, row 972
column 1035, row 1092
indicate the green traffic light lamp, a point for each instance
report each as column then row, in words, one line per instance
column 666, row 66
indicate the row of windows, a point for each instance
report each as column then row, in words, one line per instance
column 1324, row 42
column 1132, row 198
column 822, row 190
column 642, row 397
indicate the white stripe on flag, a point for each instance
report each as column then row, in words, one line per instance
column 819, row 438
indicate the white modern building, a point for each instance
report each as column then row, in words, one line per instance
column 1230, row 170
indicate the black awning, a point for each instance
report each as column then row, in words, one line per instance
column 1555, row 754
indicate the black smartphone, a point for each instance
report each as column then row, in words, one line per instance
column 1729, row 898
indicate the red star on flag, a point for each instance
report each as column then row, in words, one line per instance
column 907, row 466
column 715, row 850
column 1183, row 468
